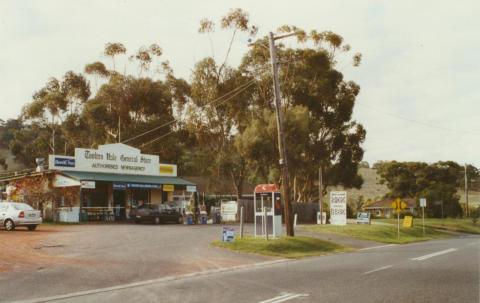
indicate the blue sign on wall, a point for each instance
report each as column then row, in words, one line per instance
column 64, row 162
column 143, row 185
column 119, row 186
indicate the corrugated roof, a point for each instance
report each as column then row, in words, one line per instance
column 89, row 176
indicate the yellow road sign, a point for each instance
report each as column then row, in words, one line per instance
column 398, row 205
column 408, row 221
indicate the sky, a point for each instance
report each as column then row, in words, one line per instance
column 419, row 76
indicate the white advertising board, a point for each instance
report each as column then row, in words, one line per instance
column 338, row 208
column 228, row 211
column 88, row 184
column 423, row 202
column 62, row 181
column 191, row 188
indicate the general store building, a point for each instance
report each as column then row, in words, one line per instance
column 102, row 184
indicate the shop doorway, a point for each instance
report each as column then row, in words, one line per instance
column 119, row 198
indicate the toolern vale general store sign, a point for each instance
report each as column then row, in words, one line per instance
column 111, row 158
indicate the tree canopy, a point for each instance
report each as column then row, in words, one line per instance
column 219, row 122
column 437, row 182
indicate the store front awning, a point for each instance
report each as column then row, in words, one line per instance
column 89, row 176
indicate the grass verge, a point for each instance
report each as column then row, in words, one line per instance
column 456, row 225
column 380, row 233
column 285, row 247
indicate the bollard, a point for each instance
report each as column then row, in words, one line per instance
column 241, row 222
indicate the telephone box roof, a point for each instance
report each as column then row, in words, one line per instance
column 266, row 188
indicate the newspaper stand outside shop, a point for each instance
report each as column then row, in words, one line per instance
column 268, row 211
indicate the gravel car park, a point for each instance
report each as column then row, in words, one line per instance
column 13, row 214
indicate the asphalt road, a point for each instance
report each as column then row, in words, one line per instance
column 434, row 271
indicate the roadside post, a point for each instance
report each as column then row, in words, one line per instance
column 265, row 222
column 398, row 205
column 295, row 221
column 423, row 204
column 241, row 222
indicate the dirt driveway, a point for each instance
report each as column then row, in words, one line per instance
column 58, row 259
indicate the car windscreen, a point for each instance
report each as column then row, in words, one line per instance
column 21, row 206
column 165, row 207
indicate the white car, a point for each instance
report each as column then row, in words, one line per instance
column 13, row 214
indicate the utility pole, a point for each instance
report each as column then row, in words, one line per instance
column 119, row 130
column 466, row 187
column 281, row 135
column 320, row 193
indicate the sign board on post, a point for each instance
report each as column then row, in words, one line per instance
column 338, row 208
column 191, row 188
column 398, row 205
column 228, row 210
column 363, row 218
column 408, row 221
column 228, row 234
column 423, row 202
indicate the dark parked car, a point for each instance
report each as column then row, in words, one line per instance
column 157, row 213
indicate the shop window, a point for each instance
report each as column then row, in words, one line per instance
column 96, row 199
column 139, row 195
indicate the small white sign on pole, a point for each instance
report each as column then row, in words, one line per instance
column 338, row 208
column 423, row 202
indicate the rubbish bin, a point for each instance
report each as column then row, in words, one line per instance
column 189, row 220
column 203, row 217
column 84, row 216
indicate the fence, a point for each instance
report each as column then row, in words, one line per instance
column 306, row 212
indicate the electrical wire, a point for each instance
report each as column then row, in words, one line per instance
column 250, row 83
column 417, row 122
column 175, row 120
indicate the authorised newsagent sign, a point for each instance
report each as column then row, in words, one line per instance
column 338, row 208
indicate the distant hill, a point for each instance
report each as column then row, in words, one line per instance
column 371, row 188
column 473, row 198
column 12, row 165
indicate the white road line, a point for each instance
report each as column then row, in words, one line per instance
column 438, row 253
column 381, row 246
column 283, row 298
column 378, row 269
column 284, row 295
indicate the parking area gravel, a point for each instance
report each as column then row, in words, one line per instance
column 59, row 259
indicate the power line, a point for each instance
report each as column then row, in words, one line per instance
column 175, row 120
column 250, row 83
column 416, row 121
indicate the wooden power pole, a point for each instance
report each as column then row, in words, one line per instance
column 320, row 193
column 281, row 137
column 466, row 187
